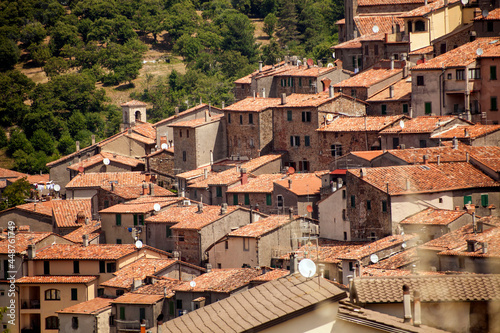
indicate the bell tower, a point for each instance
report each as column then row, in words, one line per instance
column 133, row 111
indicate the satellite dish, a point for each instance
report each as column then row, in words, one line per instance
column 164, row 146
column 290, row 171
column 309, row 208
column 157, row 207
column 403, row 245
column 192, row 284
column 401, row 124
column 329, row 117
column 106, row 161
column 375, row 29
column 138, row 244
column 333, row 55
column 330, row 65
column 307, row 268
column 310, row 62
column 479, row 51
column 485, row 12
column 57, row 188
column 465, row 2
column 374, row 258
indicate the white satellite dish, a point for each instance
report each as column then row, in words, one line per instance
column 329, row 117
column 333, row 55
column 106, row 161
column 192, row 284
column 479, row 51
column 401, row 124
column 156, row 207
column 374, row 258
column 375, row 29
column 330, row 65
column 465, row 2
column 307, row 268
column 164, row 146
column 485, row 13
column 138, row 244
column 403, row 245
column 57, row 188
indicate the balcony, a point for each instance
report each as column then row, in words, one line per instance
column 130, row 325
column 30, row 304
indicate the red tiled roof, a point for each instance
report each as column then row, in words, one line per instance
column 431, row 7
column 423, row 50
column 392, row 3
column 22, row 240
column 415, row 155
column 194, row 220
column 304, row 70
column 140, row 138
column 56, row 279
column 94, row 306
column 425, row 178
column 98, row 158
column 134, row 102
column 41, row 207
column 261, row 184
column 490, row 236
column 493, row 14
column 367, row 155
column 271, row 275
column 103, row 179
column 359, row 124
column 311, row 100
column 135, row 191
column 365, row 24
column 93, row 230
column 197, row 122
column 398, row 260
column 90, row 252
column 141, row 205
column 186, row 112
column 424, row 124
column 356, row 42
column 157, row 288
column 245, row 79
column 221, row 280
column 378, row 245
column 401, row 91
column 139, row 269
column 65, row 211
column 432, row 216
column 328, row 251
column 461, row 56
column 463, row 132
column 40, row 178
column 368, row 77
column 133, row 298
column 302, row 183
column 144, row 129
column 256, row 105
column 6, row 173
column 262, row 226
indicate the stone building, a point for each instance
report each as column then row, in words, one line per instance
column 391, row 101
column 473, row 135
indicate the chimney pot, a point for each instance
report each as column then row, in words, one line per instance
column 467, row 157
column 283, row 99
column 205, row 173
column 207, row 116
column 260, row 66
column 331, row 93
column 289, row 183
column 244, row 176
column 293, row 263
column 93, row 139
column 417, row 309
column 406, row 304
column 438, row 159
column 426, row 159
column 223, row 209
column 290, row 213
column 485, row 247
column 455, row 142
column 85, row 240
column 176, row 255
column 391, row 91
column 31, row 251
column 263, row 92
column 392, row 62
column 151, row 189
column 209, row 267
column 144, row 189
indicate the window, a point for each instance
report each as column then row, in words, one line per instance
column 119, row 292
column 229, row 118
column 303, row 166
column 410, row 26
column 283, row 82
column 181, row 237
column 384, row 205
column 353, row 93
column 247, row 199
column 420, row 80
column 489, row 26
column 484, row 200
column 460, row 74
column 289, row 115
column 461, row 262
column 218, row 191
column 474, row 73
column 405, row 108
column 52, row 323
column 187, row 133
column 74, row 323
column 269, row 200
column 135, row 219
column 74, row 294
column 428, row 107
column 122, row 313
column 366, row 49
column 375, row 50
column 142, row 314
column 336, row 150
column 250, row 118
column 184, row 156
column 279, row 200
column 76, row 267
column 368, row 205
column 395, row 143
column 423, row 143
column 118, row 241
column 168, row 231
column 141, row 219
column 493, row 72
column 449, row 76
column 179, row 304
column 102, row 266
column 295, row 141
column 226, row 245
column 111, row 267
column 419, row 25
column 351, row 266
column 467, row 199
column 235, row 199
column 344, row 194
column 241, row 119
column 52, row 295
column 46, row 267
column 353, row 201
column 100, row 292
column 106, row 203
column 345, row 235
column 344, row 215
column 246, row 244
column 307, row 141
column 384, row 109
column 353, row 62
column 443, row 48
column 306, row 116
column 300, row 82
column 493, row 103
column 180, row 133
column 118, row 219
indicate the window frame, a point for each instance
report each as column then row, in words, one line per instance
column 52, row 323
column 54, row 294
column 420, row 80
column 74, row 294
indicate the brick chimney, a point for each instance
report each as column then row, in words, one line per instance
column 209, row 267
column 31, row 251
column 144, row 188
column 147, row 177
column 426, row 159
column 244, row 176
column 200, row 207
column 151, row 189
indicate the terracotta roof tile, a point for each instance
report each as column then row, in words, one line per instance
column 90, row 252
column 84, row 180
column 368, row 77
column 141, row 205
column 365, row 24
column 157, row 288
column 6, row 173
column 140, row 138
column 190, row 218
column 194, row 173
column 463, row 132
column 415, row 155
column 311, row 100
column 398, row 260
column 371, row 271
column 434, row 288
column 367, row 155
column 392, row 3
column 359, row 124
column 145, row 129
column 41, row 207
column 22, row 240
column 197, row 122
column 373, row 247
column 328, row 251
column 461, row 56
column 40, row 178
column 493, row 14
column 93, row 230
column 186, row 112
column 424, row 124
column 305, row 71
column 221, row 280
column 356, row 42
column 133, row 298
column 245, row 80
column 490, row 236
column 271, row 275
column 94, row 306
column 129, row 192
column 261, row 184
column 65, row 211
column 56, row 279
column 423, row 50
column 302, row 183
column 262, row 226
column 425, row 10
column 426, row 178
column 401, row 92
column 99, row 158
column 134, row 102
column 256, row 105
column 432, row 216
column 139, row 269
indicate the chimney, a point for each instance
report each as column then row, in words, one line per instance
column 263, row 92
column 78, row 146
column 304, row 61
column 391, row 91
column 289, row 183
column 457, row 208
column 455, row 142
column 474, row 225
column 176, row 111
column 407, row 184
column 147, row 177
column 182, row 193
column 321, row 270
column 293, row 263
column 331, row 93
column 392, row 62
column 205, row 173
column 211, row 157
column 466, row 133
column 485, row 247
column 283, row 99
column 209, row 267
column 320, row 63
column 80, row 217
column 144, row 189
column 253, row 93
column 85, row 240
column 251, row 215
column 446, row 2
column 87, row 221
column 290, row 213
column 200, row 207
column 31, row 251
column 112, row 186
column 151, row 189
column 417, row 308
column 176, row 255
column 93, row 139
column 363, row 172
column 244, row 176
column 425, row 2
column 136, row 283
column 223, row 209
column 438, row 159
column 406, row 304
column 207, row 116
column 426, row 159
column 467, row 157
column 260, row 66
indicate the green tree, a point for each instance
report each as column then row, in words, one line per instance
column 18, row 141
column 15, row 88
column 55, row 66
column 182, row 19
column 3, row 138
column 288, row 23
column 16, row 192
column 214, row 8
column 188, row 47
column 116, row 30
column 39, row 53
column 238, row 33
column 271, row 52
column 150, row 17
column 123, row 61
column 33, row 33
column 270, row 23
column 76, row 122
column 113, row 120
column 95, row 9
column 63, row 34
column 9, row 53
column 42, row 141
column 32, row 163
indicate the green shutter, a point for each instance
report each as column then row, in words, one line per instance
column 122, row 313
column 269, row 200
column 235, row 199
column 405, row 108
column 289, row 115
column 135, row 219
column 171, row 309
column 307, row 141
column 428, row 108
column 247, row 199
column 118, row 219
column 384, row 109
column 141, row 219
column 484, row 200
column 384, row 206
column 300, row 82
column 218, row 190
column 353, row 201
column 168, row 231
column 467, row 199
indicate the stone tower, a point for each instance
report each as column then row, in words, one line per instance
column 133, row 111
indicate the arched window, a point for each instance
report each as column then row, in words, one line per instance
column 52, row 323
column 52, row 295
column 280, row 201
column 137, row 115
column 419, row 25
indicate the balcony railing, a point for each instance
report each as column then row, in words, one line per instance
column 30, row 304
column 130, row 325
